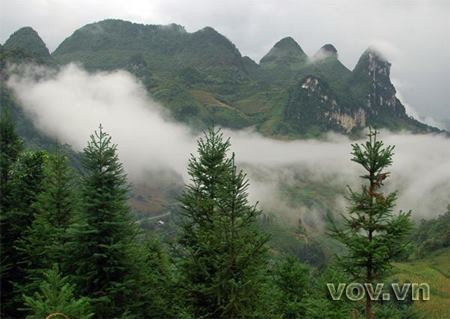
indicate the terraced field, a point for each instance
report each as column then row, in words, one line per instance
column 434, row 270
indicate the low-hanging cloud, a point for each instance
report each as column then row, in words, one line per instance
column 70, row 103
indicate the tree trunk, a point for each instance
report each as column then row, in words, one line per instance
column 369, row 313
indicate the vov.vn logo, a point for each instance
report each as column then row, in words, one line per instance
column 357, row 291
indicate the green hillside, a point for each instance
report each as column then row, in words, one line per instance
column 434, row 270
column 28, row 41
column 175, row 65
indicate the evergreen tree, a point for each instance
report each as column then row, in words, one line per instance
column 291, row 279
column 372, row 234
column 224, row 252
column 103, row 240
column 56, row 299
column 45, row 240
column 10, row 147
column 27, row 174
column 155, row 293
column 318, row 302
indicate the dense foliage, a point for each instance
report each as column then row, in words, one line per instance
column 43, row 243
column 73, row 247
column 432, row 234
column 56, row 298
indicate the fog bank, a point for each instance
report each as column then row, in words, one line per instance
column 70, row 103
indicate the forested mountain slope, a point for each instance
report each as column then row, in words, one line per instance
column 203, row 78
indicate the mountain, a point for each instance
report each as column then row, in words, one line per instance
column 112, row 44
column 121, row 40
column 335, row 98
column 283, row 61
column 208, row 50
column 24, row 46
column 202, row 78
column 285, row 52
column 27, row 42
column 370, row 83
column 327, row 65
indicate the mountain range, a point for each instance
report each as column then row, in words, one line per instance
column 202, row 78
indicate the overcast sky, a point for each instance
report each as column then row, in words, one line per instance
column 413, row 34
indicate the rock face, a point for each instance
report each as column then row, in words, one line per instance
column 313, row 105
column 372, row 84
column 334, row 98
column 383, row 93
column 350, row 121
column 344, row 101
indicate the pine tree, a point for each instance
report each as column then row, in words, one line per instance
column 10, row 148
column 156, row 297
column 10, row 145
column 291, row 279
column 102, row 242
column 319, row 303
column 372, row 233
column 56, row 299
column 224, row 254
column 27, row 174
column 44, row 242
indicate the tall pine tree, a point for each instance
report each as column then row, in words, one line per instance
column 224, row 254
column 372, row 233
column 44, row 242
column 103, row 239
